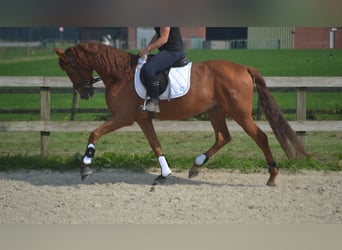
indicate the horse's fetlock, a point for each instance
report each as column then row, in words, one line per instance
column 201, row 159
column 272, row 165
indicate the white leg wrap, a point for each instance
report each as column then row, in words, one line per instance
column 87, row 160
column 165, row 170
column 201, row 159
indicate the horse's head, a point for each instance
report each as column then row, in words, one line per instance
column 79, row 74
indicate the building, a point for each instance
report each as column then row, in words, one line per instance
column 294, row 37
column 252, row 37
column 320, row 38
column 270, row 38
column 194, row 37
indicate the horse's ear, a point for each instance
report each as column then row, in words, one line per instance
column 59, row 52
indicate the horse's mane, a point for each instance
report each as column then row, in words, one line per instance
column 106, row 59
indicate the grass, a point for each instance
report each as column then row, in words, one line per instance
column 280, row 62
column 130, row 150
column 303, row 62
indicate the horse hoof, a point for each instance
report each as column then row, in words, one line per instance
column 85, row 172
column 193, row 172
column 84, row 177
column 271, row 183
column 159, row 180
column 273, row 174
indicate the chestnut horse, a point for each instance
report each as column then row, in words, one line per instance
column 219, row 87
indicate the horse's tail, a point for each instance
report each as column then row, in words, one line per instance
column 281, row 129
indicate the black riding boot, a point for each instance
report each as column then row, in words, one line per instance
column 153, row 104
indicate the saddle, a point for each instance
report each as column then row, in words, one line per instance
column 162, row 77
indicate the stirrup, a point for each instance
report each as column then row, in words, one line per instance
column 146, row 103
column 143, row 107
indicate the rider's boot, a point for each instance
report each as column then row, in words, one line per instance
column 152, row 105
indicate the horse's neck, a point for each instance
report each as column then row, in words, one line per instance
column 114, row 63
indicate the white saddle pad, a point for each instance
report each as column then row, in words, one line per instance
column 179, row 83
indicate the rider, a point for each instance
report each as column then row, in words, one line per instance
column 169, row 42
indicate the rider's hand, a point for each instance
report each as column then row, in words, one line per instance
column 143, row 52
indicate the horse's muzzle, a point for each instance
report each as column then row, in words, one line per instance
column 87, row 93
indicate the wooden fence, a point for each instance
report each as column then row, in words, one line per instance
column 27, row 45
column 45, row 126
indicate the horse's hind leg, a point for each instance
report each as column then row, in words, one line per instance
column 218, row 121
column 260, row 138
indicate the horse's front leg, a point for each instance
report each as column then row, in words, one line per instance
column 150, row 133
column 89, row 154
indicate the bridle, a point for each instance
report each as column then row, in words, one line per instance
column 86, row 83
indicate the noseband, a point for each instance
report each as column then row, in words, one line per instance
column 88, row 84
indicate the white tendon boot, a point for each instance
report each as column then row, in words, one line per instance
column 165, row 170
column 87, row 159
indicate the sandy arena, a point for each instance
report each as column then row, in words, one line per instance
column 120, row 197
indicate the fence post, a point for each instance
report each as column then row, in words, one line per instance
column 28, row 51
column 301, row 112
column 74, row 106
column 44, row 116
